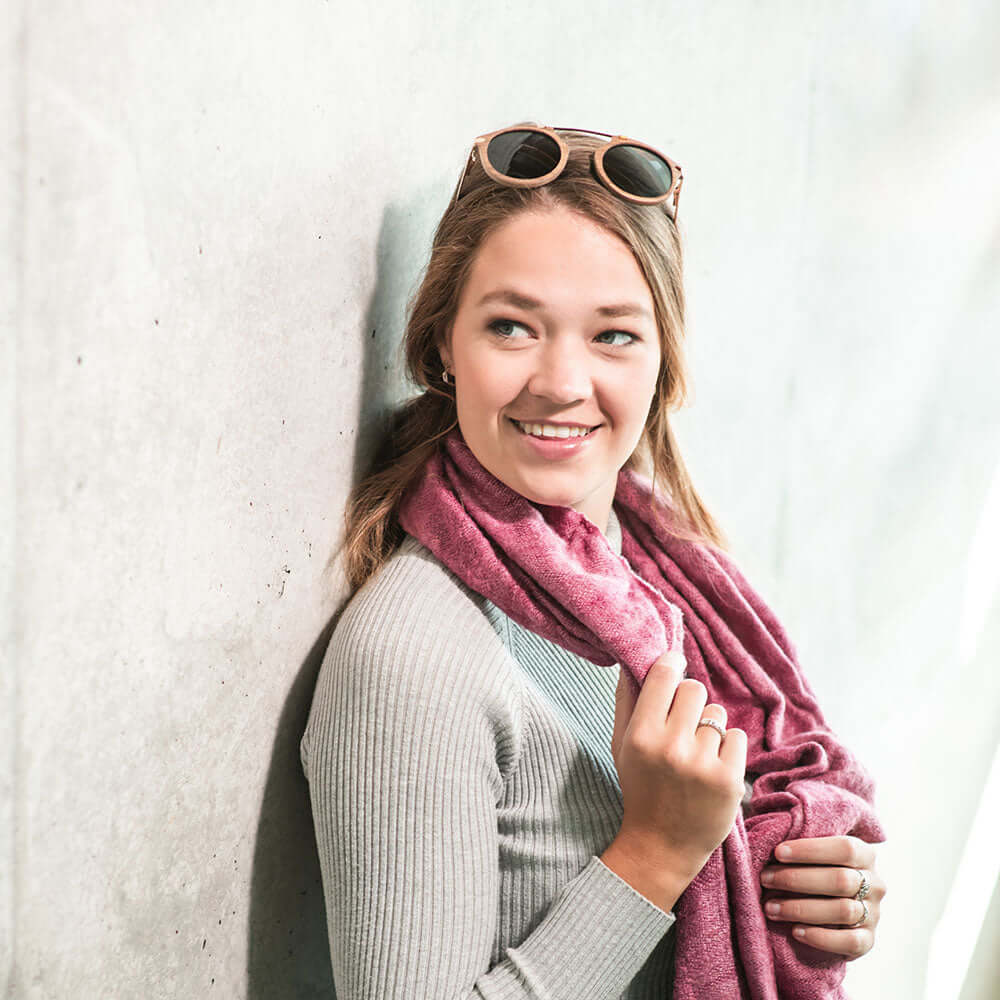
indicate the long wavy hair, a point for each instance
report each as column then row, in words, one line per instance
column 414, row 429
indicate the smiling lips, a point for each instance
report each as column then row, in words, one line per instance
column 545, row 429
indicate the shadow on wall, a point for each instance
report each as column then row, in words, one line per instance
column 288, row 949
column 288, row 952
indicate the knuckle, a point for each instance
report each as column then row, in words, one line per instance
column 849, row 911
column 847, row 882
column 694, row 685
column 718, row 778
column 857, row 852
column 673, row 757
column 720, row 784
column 858, row 942
column 670, row 669
column 642, row 743
column 734, row 783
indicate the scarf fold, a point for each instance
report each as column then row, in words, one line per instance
column 552, row 570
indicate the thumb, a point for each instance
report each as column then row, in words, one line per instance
column 626, row 695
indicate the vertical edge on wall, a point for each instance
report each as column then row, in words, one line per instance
column 13, row 112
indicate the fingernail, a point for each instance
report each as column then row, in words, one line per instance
column 676, row 659
column 767, row 877
column 799, row 932
column 772, row 908
column 783, row 851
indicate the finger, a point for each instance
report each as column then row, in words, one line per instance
column 840, row 941
column 828, row 880
column 686, row 710
column 844, row 850
column 839, row 910
column 733, row 752
column 706, row 738
column 626, row 694
column 657, row 691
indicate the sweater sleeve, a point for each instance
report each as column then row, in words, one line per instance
column 412, row 733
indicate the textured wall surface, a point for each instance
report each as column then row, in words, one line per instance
column 214, row 215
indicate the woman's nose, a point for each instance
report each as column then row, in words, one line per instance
column 562, row 372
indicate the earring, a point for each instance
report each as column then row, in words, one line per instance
column 444, row 376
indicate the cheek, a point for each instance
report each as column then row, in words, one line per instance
column 486, row 386
column 632, row 396
column 482, row 399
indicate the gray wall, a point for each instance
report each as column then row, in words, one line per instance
column 214, row 215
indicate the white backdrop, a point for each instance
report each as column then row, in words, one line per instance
column 214, row 215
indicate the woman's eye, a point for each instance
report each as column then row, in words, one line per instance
column 499, row 327
column 497, row 324
column 620, row 333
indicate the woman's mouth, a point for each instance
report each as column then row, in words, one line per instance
column 552, row 441
column 550, row 431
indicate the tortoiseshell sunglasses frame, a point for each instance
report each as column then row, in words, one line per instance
column 481, row 143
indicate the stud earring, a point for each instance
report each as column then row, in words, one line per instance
column 444, row 376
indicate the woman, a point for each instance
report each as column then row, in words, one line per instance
column 498, row 815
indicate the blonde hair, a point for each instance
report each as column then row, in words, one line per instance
column 415, row 428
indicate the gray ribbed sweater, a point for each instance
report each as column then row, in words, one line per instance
column 462, row 791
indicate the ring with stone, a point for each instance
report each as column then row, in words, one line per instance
column 717, row 726
column 864, row 917
column 865, row 887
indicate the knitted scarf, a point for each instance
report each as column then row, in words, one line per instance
column 551, row 569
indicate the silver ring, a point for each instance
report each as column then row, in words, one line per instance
column 858, row 923
column 717, row 726
column 865, row 887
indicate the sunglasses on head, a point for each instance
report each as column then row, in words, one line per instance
column 532, row 155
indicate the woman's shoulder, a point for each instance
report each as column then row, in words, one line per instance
column 413, row 640
column 416, row 592
column 417, row 616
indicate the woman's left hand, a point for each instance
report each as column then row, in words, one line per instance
column 818, row 886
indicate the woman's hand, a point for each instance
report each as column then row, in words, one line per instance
column 818, row 885
column 681, row 783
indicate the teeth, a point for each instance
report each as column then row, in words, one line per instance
column 550, row 430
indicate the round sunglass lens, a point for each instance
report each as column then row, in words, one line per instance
column 523, row 154
column 638, row 171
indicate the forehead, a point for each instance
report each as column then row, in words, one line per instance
column 559, row 256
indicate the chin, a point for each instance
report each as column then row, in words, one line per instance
column 550, row 498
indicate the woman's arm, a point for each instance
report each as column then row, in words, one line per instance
column 407, row 750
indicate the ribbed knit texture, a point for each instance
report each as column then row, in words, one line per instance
column 463, row 789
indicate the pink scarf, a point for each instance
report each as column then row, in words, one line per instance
column 552, row 570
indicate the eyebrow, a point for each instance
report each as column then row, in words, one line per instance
column 514, row 298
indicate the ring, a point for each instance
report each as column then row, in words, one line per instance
column 858, row 923
column 865, row 887
column 717, row 726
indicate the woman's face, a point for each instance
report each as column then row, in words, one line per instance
column 555, row 326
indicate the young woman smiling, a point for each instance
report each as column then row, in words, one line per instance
column 498, row 815
column 555, row 326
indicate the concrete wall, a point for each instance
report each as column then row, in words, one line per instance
column 214, row 215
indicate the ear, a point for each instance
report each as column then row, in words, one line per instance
column 445, row 353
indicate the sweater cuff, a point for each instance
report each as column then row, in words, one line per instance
column 594, row 938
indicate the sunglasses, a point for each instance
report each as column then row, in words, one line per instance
column 533, row 155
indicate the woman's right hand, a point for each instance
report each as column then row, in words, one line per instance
column 682, row 784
